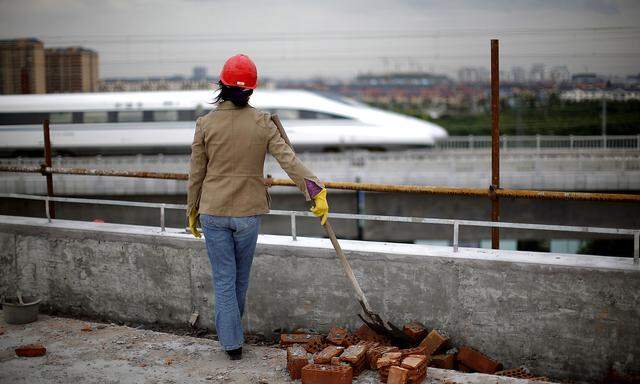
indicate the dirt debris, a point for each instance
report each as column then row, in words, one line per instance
column 118, row 354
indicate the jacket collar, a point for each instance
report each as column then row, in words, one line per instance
column 226, row 105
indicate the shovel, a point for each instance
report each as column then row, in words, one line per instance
column 370, row 318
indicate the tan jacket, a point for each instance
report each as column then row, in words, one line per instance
column 227, row 161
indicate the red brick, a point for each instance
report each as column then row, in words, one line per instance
column 335, row 361
column 337, row 336
column 296, row 359
column 397, row 375
column 443, row 361
column 414, row 362
column 413, row 351
column 287, row 339
column 478, row 361
column 325, row 356
column 351, row 340
column 434, row 341
column 415, row 330
column 354, row 354
column 464, row 368
column 368, row 334
column 520, row 373
column 31, row 350
column 388, row 359
column 315, row 346
column 374, row 354
column 327, row 374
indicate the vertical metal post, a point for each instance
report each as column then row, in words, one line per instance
column 636, row 248
column 294, row 236
column 46, row 209
column 360, row 210
column 47, row 164
column 604, row 120
column 162, row 226
column 456, row 229
column 495, row 141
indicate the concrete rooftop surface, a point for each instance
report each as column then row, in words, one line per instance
column 110, row 353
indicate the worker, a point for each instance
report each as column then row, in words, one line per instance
column 227, row 191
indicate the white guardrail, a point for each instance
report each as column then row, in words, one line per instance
column 349, row 216
column 541, row 142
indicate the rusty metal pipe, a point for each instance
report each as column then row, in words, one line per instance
column 350, row 186
column 48, row 163
column 495, row 141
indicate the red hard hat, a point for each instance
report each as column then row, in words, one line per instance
column 239, row 71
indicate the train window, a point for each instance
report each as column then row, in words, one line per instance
column 303, row 114
column 186, row 115
column 96, row 117
column 61, row 117
column 165, row 115
column 130, row 116
column 77, row 117
column 22, row 118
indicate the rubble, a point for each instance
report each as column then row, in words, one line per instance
column 355, row 355
column 416, row 331
column 417, row 367
column 434, row 341
column 521, row 373
column 326, row 355
column 296, row 359
column 31, row 350
column 327, row 374
column 337, row 336
column 446, row 361
column 365, row 349
column 287, row 339
column 477, row 361
column 397, row 375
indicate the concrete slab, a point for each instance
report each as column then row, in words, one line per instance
column 116, row 354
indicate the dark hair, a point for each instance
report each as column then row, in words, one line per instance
column 238, row 96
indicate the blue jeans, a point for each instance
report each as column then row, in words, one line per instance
column 230, row 243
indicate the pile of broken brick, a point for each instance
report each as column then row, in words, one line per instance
column 341, row 356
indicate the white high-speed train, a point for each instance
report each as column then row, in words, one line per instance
column 163, row 122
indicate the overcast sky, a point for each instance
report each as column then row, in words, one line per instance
column 335, row 38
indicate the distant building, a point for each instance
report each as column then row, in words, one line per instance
column 537, row 72
column 73, row 69
column 588, row 81
column 22, row 66
column 409, row 79
column 560, row 74
column 468, row 75
column 518, row 75
column 199, row 73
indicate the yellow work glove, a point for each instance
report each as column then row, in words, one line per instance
column 193, row 222
column 321, row 208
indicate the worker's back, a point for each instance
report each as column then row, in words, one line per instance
column 235, row 143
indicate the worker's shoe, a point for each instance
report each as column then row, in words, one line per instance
column 235, row 354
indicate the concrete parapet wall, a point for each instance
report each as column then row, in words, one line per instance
column 560, row 315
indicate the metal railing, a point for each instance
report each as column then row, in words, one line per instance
column 542, row 142
column 455, row 223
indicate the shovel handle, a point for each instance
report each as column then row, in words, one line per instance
column 332, row 236
column 346, row 266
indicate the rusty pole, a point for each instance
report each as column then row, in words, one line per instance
column 495, row 142
column 47, row 164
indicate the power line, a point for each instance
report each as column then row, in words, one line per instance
column 328, row 35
